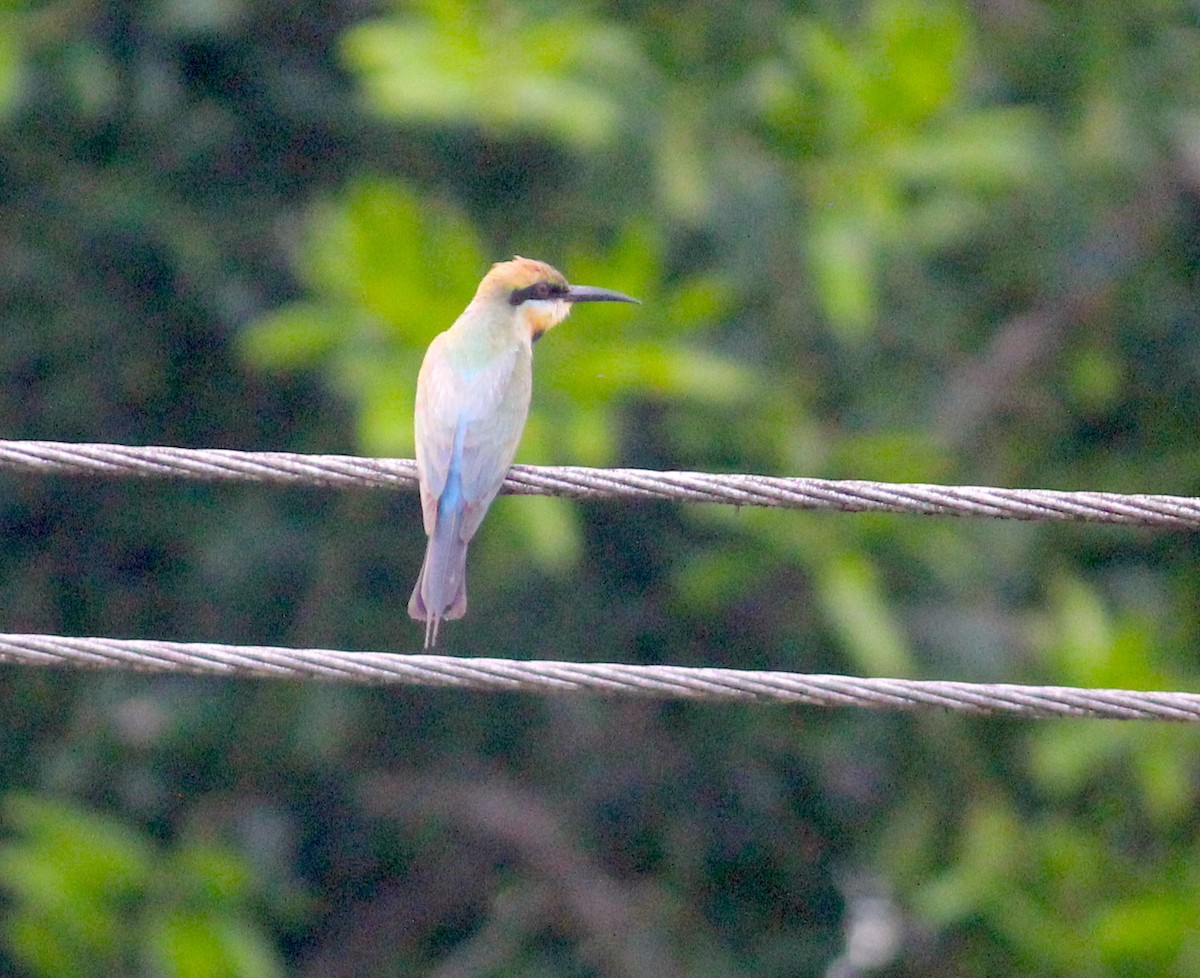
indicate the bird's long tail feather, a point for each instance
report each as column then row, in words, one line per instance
column 441, row 588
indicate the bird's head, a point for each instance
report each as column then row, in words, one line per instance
column 537, row 295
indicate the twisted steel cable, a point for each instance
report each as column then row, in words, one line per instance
column 223, row 465
column 652, row 681
column 668, row 682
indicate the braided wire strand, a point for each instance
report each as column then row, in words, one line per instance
column 289, row 468
column 670, row 682
column 611, row 679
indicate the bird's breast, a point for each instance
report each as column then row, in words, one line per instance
column 483, row 389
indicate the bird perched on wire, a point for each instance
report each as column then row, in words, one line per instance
column 472, row 402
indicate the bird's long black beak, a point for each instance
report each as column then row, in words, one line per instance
column 588, row 293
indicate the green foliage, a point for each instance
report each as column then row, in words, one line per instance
column 929, row 242
column 10, row 67
column 897, row 154
column 1039, row 883
column 850, row 592
column 510, row 69
column 381, row 269
column 90, row 896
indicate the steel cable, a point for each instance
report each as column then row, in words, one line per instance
column 667, row 682
column 288, row 468
column 654, row 681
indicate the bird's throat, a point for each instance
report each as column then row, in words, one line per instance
column 540, row 317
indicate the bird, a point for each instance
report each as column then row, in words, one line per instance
column 473, row 393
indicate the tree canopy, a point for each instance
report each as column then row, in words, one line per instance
column 935, row 241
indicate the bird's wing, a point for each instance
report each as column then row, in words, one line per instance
column 493, row 423
column 435, row 420
column 490, row 405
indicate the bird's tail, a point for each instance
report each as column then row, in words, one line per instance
column 441, row 589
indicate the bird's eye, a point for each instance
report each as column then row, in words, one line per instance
column 539, row 290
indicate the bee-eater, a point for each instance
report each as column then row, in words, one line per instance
column 472, row 402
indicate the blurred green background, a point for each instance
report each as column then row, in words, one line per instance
column 937, row 241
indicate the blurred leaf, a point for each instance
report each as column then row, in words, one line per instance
column 507, row 71
column 41, row 948
column 101, row 856
column 1096, row 379
column 550, row 531
column 291, row 337
column 890, row 456
column 215, row 876
column 400, row 259
column 901, row 157
column 843, row 267
column 1147, row 932
column 11, row 62
column 919, row 57
column 852, row 597
column 986, row 151
column 212, row 946
column 986, row 851
column 82, row 885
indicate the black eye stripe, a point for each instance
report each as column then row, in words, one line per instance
column 539, row 290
